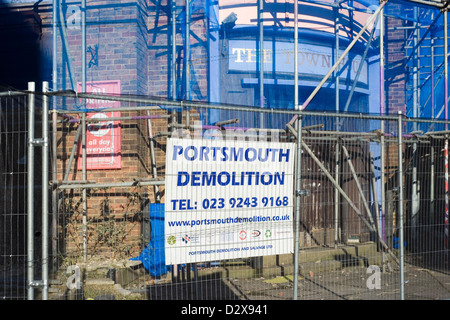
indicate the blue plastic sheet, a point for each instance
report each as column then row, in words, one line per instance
column 396, row 242
column 153, row 256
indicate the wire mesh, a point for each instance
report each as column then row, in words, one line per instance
column 13, row 184
column 348, row 233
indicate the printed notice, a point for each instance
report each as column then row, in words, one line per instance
column 227, row 199
column 103, row 140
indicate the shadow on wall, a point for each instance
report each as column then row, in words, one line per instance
column 20, row 62
column 21, row 44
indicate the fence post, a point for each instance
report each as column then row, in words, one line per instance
column 30, row 192
column 298, row 155
column 31, row 143
column 298, row 171
column 45, row 185
column 400, row 205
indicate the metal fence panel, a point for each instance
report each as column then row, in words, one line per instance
column 13, row 209
column 356, row 202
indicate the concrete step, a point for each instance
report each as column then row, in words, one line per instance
column 315, row 260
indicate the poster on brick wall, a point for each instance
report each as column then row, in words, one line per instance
column 103, row 141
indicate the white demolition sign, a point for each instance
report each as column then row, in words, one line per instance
column 227, row 199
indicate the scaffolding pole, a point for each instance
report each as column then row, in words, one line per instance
column 337, row 149
column 188, row 52
column 414, row 187
column 261, row 58
column 446, row 140
column 382, row 130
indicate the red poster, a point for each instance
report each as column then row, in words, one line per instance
column 103, row 141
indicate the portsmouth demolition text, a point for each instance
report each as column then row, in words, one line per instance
column 224, row 178
column 231, row 154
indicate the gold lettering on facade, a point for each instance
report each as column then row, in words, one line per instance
column 287, row 54
column 251, row 53
column 267, row 56
column 238, row 51
column 309, row 59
